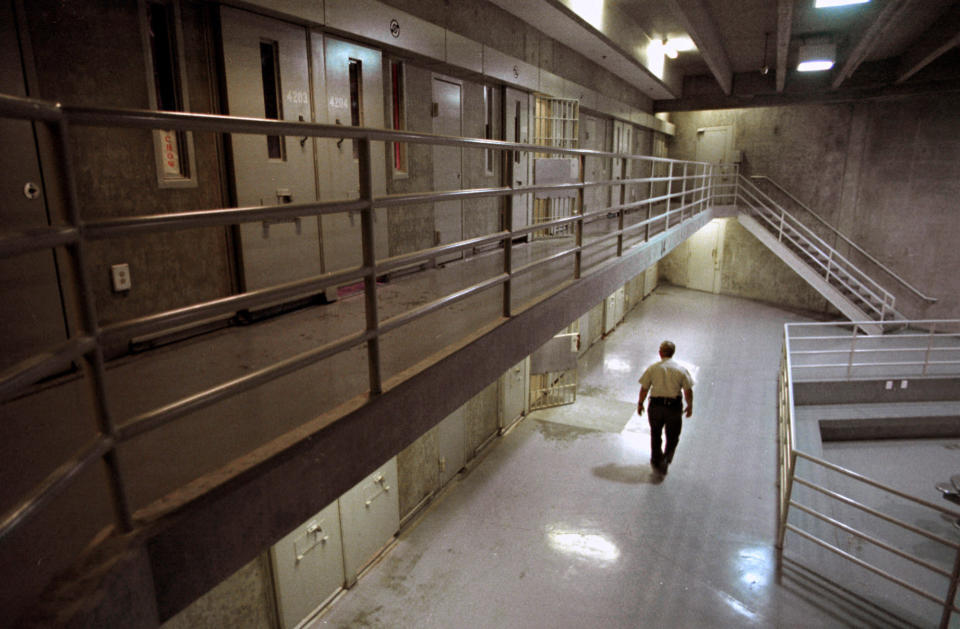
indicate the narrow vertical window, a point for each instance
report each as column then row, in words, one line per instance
column 356, row 100
column 270, row 74
column 399, row 115
column 161, row 38
column 488, row 125
column 516, row 131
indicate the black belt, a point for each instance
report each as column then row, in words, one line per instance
column 667, row 401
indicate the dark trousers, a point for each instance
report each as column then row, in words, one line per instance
column 664, row 417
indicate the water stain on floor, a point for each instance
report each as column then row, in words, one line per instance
column 562, row 432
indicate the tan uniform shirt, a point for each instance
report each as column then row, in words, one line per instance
column 666, row 378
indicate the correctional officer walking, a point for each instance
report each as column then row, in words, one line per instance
column 664, row 380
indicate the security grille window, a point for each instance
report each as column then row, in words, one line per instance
column 160, row 20
column 399, row 116
column 270, row 75
column 488, row 126
column 356, row 100
column 557, row 124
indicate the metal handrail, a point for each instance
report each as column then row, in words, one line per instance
column 86, row 345
column 832, row 256
column 847, row 240
column 788, row 466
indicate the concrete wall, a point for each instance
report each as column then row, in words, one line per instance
column 243, row 601
column 885, row 172
column 509, row 34
column 747, row 269
column 115, row 170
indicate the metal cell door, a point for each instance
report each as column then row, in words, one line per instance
column 714, row 145
column 369, row 517
column 515, row 385
column 706, row 247
column 266, row 71
column 516, row 129
column 553, row 370
column 308, row 566
column 30, row 304
column 354, row 92
column 447, row 164
column 613, row 310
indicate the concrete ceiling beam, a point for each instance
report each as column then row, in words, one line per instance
column 937, row 40
column 784, row 32
column 888, row 20
column 695, row 18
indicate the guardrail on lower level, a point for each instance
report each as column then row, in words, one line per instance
column 826, row 352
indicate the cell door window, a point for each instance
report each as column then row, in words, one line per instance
column 398, row 116
column 488, row 126
column 356, row 100
column 272, row 106
column 516, row 131
column 160, row 27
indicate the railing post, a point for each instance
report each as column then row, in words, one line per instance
column 683, row 193
column 951, row 593
column 829, row 265
column 780, row 229
column 853, row 350
column 370, row 265
column 786, row 495
column 578, row 235
column 926, row 356
column 83, row 299
column 508, row 227
column 669, row 195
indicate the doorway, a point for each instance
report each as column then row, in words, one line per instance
column 516, row 129
column 31, row 307
column 715, row 145
column 354, row 97
column 447, row 163
column 268, row 76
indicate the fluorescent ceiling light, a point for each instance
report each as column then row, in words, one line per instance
column 814, row 66
column 825, row 4
column 681, row 44
column 816, row 57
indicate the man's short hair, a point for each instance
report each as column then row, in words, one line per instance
column 667, row 348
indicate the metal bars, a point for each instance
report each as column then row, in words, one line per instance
column 816, row 479
column 86, row 344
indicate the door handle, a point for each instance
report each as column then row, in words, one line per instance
column 303, row 140
column 340, row 141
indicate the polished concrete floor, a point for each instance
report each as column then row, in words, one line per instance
column 562, row 523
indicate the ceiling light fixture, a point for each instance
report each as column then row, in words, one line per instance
column 816, row 57
column 826, row 4
column 668, row 49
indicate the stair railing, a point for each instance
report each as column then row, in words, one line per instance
column 841, row 236
column 817, row 252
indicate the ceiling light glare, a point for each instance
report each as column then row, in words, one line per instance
column 681, row 44
column 826, row 4
column 816, row 57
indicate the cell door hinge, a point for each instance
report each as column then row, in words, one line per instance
column 434, row 110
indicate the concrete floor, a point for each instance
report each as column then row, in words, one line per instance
column 563, row 523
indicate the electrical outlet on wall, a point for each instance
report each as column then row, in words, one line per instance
column 120, row 273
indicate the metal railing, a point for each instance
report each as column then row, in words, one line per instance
column 834, row 268
column 674, row 199
column 840, row 356
column 838, row 235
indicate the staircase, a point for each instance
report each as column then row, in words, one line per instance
column 855, row 294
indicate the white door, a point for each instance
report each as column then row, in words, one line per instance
column 514, row 388
column 516, row 129
column 369, row 517
column 267, row 76
column 613, row 310
column 308, row 566
column 447, row 164
column 706, row 249
column 715, row 145
column 452, row 445
column 354, row 97
column 30, row 305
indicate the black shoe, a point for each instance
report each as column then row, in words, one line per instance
column 663, row 467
